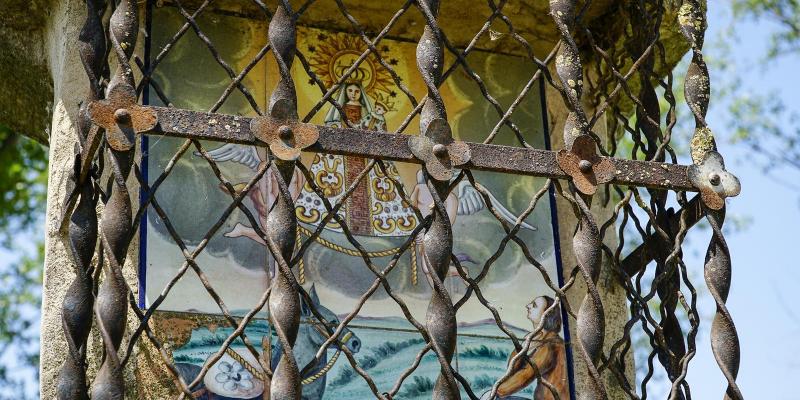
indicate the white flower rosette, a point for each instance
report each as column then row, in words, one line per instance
column 230, row 378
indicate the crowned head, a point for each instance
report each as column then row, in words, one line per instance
column 383, row 104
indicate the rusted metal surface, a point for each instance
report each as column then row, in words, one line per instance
column 281, row 227
column 121, row 117
column 669, row 332
column 285, row 139
column 439, row 154
column 724, row 339
column 580, row 161
column 584, row 166
column 642, row 255
column 639, row 188
column 715, row 183
column 438, row 239
column 389, row 146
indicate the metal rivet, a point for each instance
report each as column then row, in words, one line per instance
column 122, row 116
column 713, row 178
column 285, row 132
column 440, row 150
column 585, row 166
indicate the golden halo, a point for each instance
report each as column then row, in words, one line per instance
column 342, row 61
column 331, row 54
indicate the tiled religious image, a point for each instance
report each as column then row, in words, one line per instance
column 235, row 263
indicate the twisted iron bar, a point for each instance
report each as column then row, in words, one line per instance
column 569, row 70
column 586, row 240
column 648, row 117
column 76, row 314
column 111, row 308
column 281, row 225
column 697, row 90
column 591, row 318
column 697, row 86
column 724, row 339
column 438, row 239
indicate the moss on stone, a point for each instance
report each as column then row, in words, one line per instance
column 27, row 87
column 702, row 142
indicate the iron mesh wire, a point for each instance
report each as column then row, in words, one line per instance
column 631, row 92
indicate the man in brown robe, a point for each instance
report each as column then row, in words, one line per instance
column 546, row 357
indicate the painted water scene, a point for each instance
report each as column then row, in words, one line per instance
column 380, row 213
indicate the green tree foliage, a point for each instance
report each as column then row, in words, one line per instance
column 23, row 184
column 20, row 300
column 760, row 119
column 785, row 13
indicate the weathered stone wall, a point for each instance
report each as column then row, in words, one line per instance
column 70, row 86
column 27, row 85
column 66, row 70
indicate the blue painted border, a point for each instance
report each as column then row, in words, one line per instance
column 145, row 143
column 557, row 244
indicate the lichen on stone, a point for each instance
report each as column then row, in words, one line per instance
column 685, row 14
column 702, row 142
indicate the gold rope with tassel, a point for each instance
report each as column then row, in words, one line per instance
column 414, row 265
column 301, row 267
column 262, row 376
column 256, row 372
column 324, row 369
column 350, row 252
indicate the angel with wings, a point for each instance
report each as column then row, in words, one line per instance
column 464, row 200
column 264, row 193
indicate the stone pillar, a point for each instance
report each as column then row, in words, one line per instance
column 70, row 87
column 612, row 293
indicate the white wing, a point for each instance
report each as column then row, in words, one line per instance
column 470, row 202
column 246, row 155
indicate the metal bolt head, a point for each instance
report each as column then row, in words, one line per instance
column 585, row 166
column 285, row 132
column 440, row 150
column 122, row 116
column 713, row 178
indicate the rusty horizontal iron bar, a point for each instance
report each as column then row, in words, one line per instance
column 388, row 146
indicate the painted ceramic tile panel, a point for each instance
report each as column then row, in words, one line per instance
column 189, row 77
column 237, row 263
column 383, row 354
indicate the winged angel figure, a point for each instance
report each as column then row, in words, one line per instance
column 465, row 200
column 262, row 196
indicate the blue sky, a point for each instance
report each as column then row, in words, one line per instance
column 765, row 274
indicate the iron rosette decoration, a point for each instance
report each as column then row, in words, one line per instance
column 584, row 166
column 438, row 151
column 121, row 117
column 713, row 181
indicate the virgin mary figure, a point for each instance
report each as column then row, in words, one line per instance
column 375, row 207
column 355, row 105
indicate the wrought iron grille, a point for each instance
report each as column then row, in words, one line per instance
column 634, row 170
